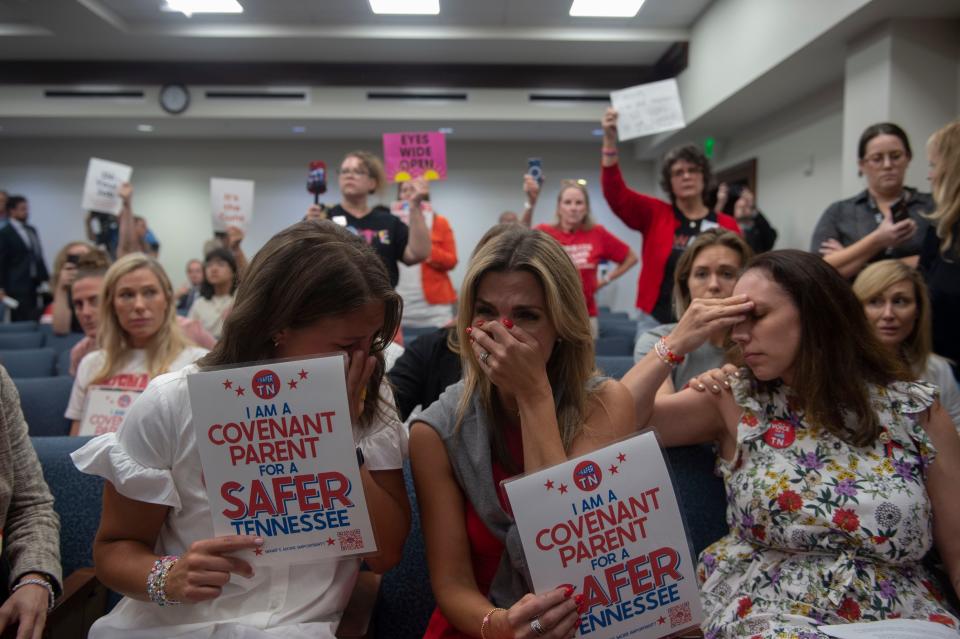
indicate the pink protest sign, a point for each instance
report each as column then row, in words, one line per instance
column 411, row 155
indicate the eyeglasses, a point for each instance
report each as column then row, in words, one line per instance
column 690, row 170
column 357, row 172
column 876, row 160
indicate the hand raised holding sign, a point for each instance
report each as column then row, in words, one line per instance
column 421, row 191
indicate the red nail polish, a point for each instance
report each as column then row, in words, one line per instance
column 578, row 600
column 506, row 322
column 469, row 330
column 567, row 591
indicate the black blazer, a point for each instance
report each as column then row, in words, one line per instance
column 15, row 263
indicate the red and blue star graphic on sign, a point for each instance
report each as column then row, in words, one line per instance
column 266, row 384
column 587, row 476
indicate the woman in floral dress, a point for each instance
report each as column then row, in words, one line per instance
column 838, row 470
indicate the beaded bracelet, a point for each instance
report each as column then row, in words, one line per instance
column 486, row 620
column 38, row 582
column 667, row 356
column 610, row 151
column 157, row 580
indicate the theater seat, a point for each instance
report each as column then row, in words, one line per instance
column 63, row 363
column 25, row 326
column 615, row 366
column 617, row 328
column 20, row 341
column 60, row 343
column 614, row 346
column 36, row 362
column 44, row 401
column 700, row 492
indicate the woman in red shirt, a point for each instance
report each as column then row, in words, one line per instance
column 587, row 243
column 667, row 227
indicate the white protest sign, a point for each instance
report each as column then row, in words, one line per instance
column 105, row 409
column 101, row 184
column 231, row 203
column 647, row 109
column 279, row 461
column 608, row 524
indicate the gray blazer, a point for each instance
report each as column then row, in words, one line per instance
column 30, row 526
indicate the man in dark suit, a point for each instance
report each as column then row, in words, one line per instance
column 22, row 269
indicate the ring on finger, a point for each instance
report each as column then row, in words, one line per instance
column 537, row 627
column 484, row 356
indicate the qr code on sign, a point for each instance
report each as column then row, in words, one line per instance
column 680, row 614
column 350, row 540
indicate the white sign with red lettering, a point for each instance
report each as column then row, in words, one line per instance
column 279, row 461
column 608, row 525
column 231, row 203
column 105, row 409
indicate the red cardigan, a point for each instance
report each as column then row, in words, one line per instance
column 654, row 218
column 437, row 287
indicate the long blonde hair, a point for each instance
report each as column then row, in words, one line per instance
column 571, row 364
column 945, row 144
column 880, row 276
column 164, row 346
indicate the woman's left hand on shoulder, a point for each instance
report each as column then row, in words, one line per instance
column 513, row 360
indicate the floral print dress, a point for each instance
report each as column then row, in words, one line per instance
column 822, row 532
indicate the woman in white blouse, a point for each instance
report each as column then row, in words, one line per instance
column 216, row 291
column 155, row 507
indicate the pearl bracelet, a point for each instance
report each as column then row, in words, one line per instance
column 157, row 580
column 38, row 582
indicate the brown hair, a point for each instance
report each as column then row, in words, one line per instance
column 93, row 263
column 839, row 354
column 306, row 272
column 508, row 248
column 710, row 237
column 880, row 276
column 688, row 153
column 373, row 165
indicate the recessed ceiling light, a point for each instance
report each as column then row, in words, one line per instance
column 605, row 8
column 189, row 7
column 446, row 130
column 299, row 129
column 145, row 128
column 410, row 7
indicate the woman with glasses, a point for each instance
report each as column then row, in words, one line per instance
column 361, row 175
column 884, row 221
column 667, row 227
column 587, row 243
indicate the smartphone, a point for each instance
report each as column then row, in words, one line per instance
column 535, row 169
column 899, row 212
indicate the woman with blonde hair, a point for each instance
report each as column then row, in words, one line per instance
column 587, row 243
column 530, row 398
column 138, row 334
column 940, row 257
column 155, row 506
column 361, row 175
column 895, row 300
column 703, row 283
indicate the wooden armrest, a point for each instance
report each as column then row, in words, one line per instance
column 358, row 615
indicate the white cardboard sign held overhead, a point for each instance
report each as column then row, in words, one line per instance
column 279, row 461
column 101, row 184
column 231, row 203
column 608, row 524
column 648, row 109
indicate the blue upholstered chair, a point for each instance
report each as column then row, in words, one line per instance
column 35, row 362
column 63, row 363
column 618, row 345
column 60, row 343
column 25, row 326
column 615, row 366
column 20, row 341
column 617, row 328
column 44, row 401
column 412, row 333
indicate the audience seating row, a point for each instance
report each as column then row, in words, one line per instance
column 44, row 401
column 405, row 600
column 36, row 339
column 35, row 362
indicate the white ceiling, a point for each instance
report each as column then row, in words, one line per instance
column 466, row 31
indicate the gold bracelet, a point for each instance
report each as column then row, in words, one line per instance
column 486, row 620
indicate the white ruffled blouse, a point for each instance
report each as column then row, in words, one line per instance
column 154, row 459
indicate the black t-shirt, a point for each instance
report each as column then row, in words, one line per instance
column 686, row 230
column 424, row 371
column 943, row 282
column 382, row 230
